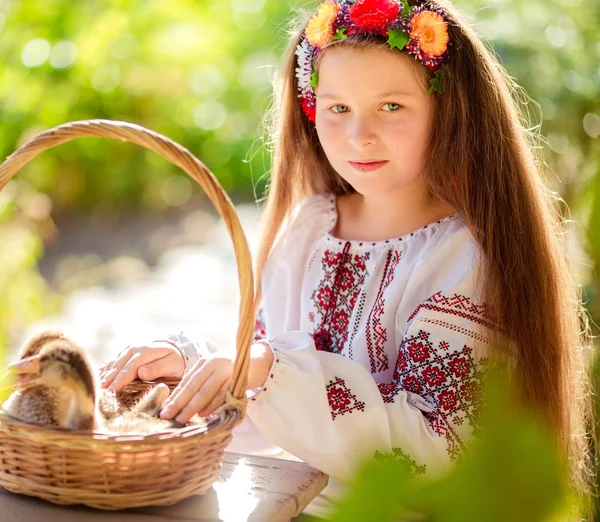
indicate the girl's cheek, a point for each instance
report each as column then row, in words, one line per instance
column 403, row 130
column 329, row 130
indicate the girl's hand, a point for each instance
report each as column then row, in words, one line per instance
column 203, row 388
column 148, row 362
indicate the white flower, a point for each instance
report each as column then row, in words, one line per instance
column 304, row 70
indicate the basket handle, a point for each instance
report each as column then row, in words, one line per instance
column 180, row 156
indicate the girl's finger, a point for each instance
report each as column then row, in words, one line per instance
column 146, row 355
column 128, row 372
column 109, row 365
column 190, row 408
column 203, row 397
column 115, row 366
column 107, row 369
column 212, row 392
column 170, row 366
column 218, row 400
column 175, row 403
column 187, row 379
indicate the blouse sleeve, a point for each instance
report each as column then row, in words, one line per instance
column 192, row 350
column 329, row 411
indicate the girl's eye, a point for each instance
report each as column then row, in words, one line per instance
column 339, row 109
column 393, row 107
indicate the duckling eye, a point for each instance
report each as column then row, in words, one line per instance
column 394, row 106
column 62, row 356
column 335, row 107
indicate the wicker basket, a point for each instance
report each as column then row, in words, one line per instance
column 117, row 472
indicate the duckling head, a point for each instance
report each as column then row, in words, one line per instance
column 61, row 364
column 36, row 342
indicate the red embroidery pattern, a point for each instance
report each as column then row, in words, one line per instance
column 335, row 297
column 341, row 399
column 375, row 333
column 260, row 330
column 449, row 380
column 457, row 305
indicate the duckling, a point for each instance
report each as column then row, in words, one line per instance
column 31, row 404
column 143, row 417
column 108, row 404
column 56, row 387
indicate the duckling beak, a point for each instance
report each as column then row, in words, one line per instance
column 27, row 370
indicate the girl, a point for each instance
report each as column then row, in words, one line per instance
column 418, row 244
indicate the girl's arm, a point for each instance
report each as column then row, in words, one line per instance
column 328, row 410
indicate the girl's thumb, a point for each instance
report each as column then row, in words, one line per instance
column 148, row 371
column 165, row 367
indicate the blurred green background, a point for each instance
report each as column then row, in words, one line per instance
column 199, row 72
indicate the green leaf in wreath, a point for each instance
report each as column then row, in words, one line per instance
column 407, row 8
column 397, row 38
column 340, row 34
column 436, row 84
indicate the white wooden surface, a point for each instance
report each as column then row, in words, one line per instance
column 249, row 488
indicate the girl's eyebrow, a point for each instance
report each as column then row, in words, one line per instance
column 334, row 96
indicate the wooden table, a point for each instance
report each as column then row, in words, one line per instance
column 254, row 489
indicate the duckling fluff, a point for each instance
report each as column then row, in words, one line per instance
column 48, row 404
column 57, row 387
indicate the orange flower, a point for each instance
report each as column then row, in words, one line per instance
column 320, row 27
column 430, row 31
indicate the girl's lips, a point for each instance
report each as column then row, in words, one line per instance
column 365, row 166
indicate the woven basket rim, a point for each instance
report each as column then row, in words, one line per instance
column 142, row 442
column 7, row 419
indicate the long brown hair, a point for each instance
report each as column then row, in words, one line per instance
column 481, row 162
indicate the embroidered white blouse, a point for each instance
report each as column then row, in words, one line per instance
column 379, row 346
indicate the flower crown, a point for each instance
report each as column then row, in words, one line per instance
column 422, row 31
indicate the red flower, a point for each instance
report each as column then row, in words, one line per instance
column 340, row 321
column 338, row 399
column 448, row 400
column 309, row 109
column 412, row 384
column 434, row 376
column 459, row 366
column 418, row 352
column 330, row 259
column 324, row 296
column 346, row 279
column 374, row 15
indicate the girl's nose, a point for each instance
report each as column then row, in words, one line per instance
column 361, row 132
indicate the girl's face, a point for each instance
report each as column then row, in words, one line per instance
column 373, row 105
